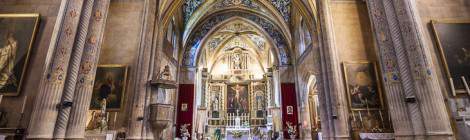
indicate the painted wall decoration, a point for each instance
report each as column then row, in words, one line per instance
column 362, row 87
column 17, row 33
column 110, row 84
column 454, row 48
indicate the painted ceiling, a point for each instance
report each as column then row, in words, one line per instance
column 283, row 6
column 204, row 27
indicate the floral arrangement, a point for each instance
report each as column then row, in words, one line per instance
column 184, row 131
column 237, row 134
column 291, row 129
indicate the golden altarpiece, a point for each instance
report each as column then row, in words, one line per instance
column 237, row 98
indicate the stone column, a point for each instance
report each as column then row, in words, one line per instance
column 335, row 123
column 141, row 89
column 83, row 88
column 415, row 99
column 45, row 111
column 69, row 89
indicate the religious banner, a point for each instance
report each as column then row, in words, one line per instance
column 184, row 117
column 289, row 109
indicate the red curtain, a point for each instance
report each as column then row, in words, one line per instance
column 289, row 100
column 185, row 96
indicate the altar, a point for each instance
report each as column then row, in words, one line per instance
column 236, row 93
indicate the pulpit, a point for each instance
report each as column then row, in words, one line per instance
column 161, row 113
column 160, row 118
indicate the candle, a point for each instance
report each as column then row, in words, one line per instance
column 381, row 117
column 354, row 117
column 1, row 98
column 360, row 116
column 24, row 104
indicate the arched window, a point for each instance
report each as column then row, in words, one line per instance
column 172, row 38
column 305, row 37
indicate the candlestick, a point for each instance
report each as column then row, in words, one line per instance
column 24, row 104
column 381, row 117
column 1, row 98
column 360, row 118
column 354, row 117
column 452, row 87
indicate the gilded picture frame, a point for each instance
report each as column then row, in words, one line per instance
column 363, row 87
column 447, row 46
column 17, row 35
column 110, row 83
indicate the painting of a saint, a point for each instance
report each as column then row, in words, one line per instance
column 110, row 82
column 16, row 38
column 362, row 86
column 454, row 50
column 237, row 99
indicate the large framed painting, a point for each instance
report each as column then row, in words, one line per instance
column 454, row 47
column 362, row 85
column 17, row 33
column 110, row 84
column 237, row 99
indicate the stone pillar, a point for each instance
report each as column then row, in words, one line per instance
column 83, row 88
column 335, row 123
column 141, row 89
column 69, row 89
column 45, row 110
column 415, row 99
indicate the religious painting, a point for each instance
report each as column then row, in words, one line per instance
column 110, row 83
column 237, row 99
column 454, row 47
column 184, row 107
column 17, row 33
column 362, row 85
column 290, row 110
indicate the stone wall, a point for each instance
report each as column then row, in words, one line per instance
column 353, row 35
column 48, row 10
column 122, row 38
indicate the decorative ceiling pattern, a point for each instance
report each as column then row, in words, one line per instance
column 189, row 7
column 273, row 31
column 229, row 3
column 283, row 6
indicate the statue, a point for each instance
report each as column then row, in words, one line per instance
column 99, row 120
column 184, row 132
column 215, row 103
column 165, row 74
column 236, row 61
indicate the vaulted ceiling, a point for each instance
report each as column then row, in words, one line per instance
column 204, row 18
